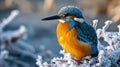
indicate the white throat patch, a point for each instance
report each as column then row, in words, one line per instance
column 62, row 21
column 80, row 20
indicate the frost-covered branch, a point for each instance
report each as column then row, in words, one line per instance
column 119, row 30
column 95, row 24
column 13, row 50
column 6, row 21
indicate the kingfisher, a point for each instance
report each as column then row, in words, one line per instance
column 74, row 34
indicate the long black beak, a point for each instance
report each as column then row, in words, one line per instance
column 52, row 17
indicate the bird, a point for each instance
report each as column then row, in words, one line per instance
column 74, row 34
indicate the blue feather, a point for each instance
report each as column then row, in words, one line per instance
column 71, row 10
column 72, row 22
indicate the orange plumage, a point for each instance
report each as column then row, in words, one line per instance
column 69, row 42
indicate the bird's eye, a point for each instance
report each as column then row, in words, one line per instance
column 62, row 15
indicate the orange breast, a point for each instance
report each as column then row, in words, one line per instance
column 69, row 42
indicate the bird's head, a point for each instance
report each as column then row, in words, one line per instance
column 66, row 12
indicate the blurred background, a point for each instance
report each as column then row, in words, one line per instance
column 41, row 36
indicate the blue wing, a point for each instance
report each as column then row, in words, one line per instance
column 87, row 34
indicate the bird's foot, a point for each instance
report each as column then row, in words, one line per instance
column 78, row 61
